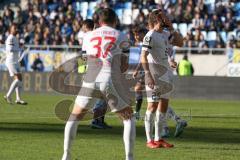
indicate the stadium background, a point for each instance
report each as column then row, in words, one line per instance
column 212, row 37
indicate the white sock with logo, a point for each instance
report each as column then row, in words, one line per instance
column 18, row 91
column 69, row 135
column 129, row 135
column 12, row 87
column 149, row 120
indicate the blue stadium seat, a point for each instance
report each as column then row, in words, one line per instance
column 212, row 39
column 175, row 26
column 90, row 13
column 223, row 35
column 83, row 9
column 212, row 36
column 204, row 33
column 183, row 28
column 83, row 6
column 190, row 26
column 127, row 14
column 92, row 5
column 135, row 13
column 119, row 13
column 128, row 5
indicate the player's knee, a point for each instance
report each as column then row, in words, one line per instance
column 18, row 76
column 126, row 113
column 77, row 113
column 152, row 107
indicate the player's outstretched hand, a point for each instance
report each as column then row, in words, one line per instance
column 149, row 80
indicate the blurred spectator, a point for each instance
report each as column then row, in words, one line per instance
column 56, row 22
column 185, row 67
column 197, row 21
column 188, row 14
column 18, row 18
column 237, row 31
column 8, row 16
column 37, row 64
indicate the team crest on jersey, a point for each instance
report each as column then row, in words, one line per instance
column 147, row 40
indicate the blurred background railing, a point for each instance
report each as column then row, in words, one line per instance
column 206, row 61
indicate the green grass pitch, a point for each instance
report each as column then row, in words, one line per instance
column 34, row 133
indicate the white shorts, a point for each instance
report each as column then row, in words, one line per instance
column 86, row 98
column 13, row 69
column 162, row 89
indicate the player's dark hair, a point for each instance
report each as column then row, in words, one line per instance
column 153, row 17
column 107, row 16
column 88, row 23
column 138, row 29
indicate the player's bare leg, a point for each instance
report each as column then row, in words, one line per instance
column 71, row 129
column 161, row 119
column 129, row 132
column 149, row 124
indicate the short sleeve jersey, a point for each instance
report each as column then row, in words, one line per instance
column 103, row 44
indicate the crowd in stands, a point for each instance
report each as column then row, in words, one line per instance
column 203, row 23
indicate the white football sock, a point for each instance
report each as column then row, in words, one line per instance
column 12, row 87
column 69, row 135
column 149, row 119
column 129, row 135
column 160, row 121
column 171, row 114
column 18, row 91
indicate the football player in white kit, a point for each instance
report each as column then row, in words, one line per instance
column 139, row 34
column 158, row 76
column 13, row 66
column 100, row 46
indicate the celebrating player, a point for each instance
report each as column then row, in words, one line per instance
column 12, row 62
column 139, row 34
column 154, row 53
column 99, row 49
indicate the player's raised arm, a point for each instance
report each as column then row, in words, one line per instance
column 125, row 47
column 144, row 62
column 146, row 48
column 176, row 39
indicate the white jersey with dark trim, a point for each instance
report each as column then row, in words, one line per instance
column 157, row 45
column 103, row 44
column 12, row 49
column 85, row 43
